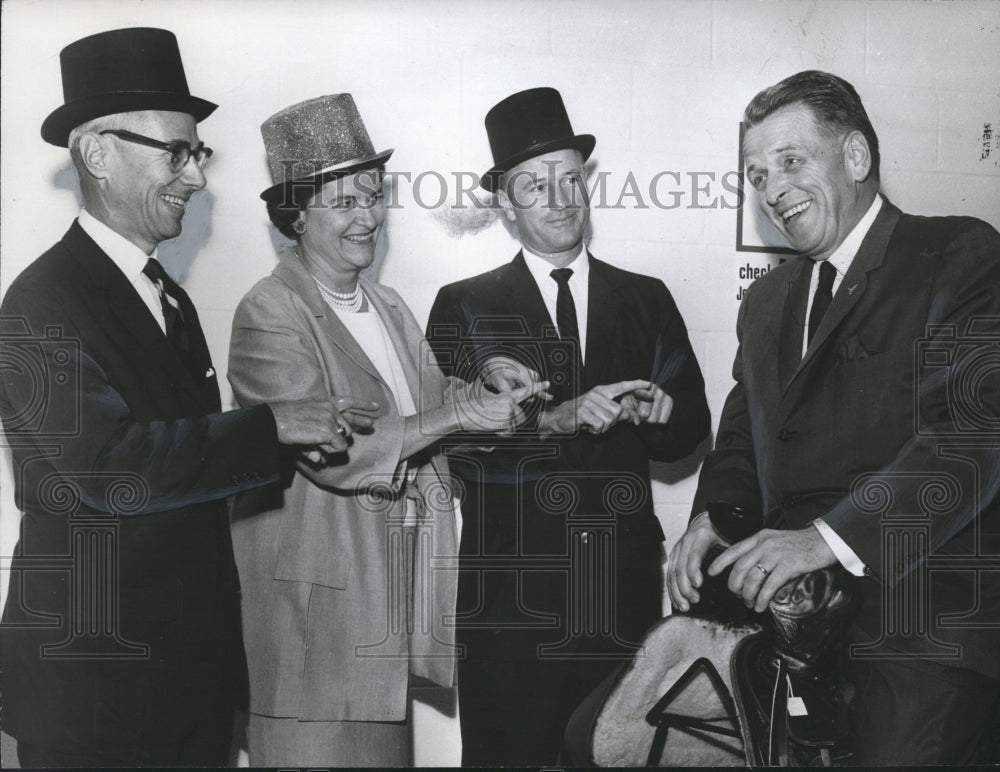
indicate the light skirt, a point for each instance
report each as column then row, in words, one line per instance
column 288, row 742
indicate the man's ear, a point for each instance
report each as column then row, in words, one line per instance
column 857, row 156
column 93, row 155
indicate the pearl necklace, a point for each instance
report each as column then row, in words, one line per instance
column 341, row 301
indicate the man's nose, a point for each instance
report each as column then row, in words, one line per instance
column 193, row 175
column 774, row 189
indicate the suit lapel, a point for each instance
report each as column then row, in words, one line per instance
column 523, row 294
column 114, row 298
column 855, row 283
column 392, row 317
column 603, row 308
column 291, row 271
column 792, row 326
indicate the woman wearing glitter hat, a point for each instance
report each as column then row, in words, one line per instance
column 347, row 584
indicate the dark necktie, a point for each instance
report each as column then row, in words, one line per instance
column 177, row 332
column 569, row 332
column 565, row 307
column 822, row 298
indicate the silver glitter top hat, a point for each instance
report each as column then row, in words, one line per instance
column 319, row 138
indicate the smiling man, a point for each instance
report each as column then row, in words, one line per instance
column 864, row 417
column 121, row 637
column 560, row 559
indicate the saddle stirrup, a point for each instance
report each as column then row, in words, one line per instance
column 663, row 720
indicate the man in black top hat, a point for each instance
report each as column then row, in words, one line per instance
column 560, row 567
column 121, row 636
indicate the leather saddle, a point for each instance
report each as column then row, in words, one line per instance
column 723, row 686
column 792, row 698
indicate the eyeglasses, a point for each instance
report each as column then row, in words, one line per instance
column 180, row 151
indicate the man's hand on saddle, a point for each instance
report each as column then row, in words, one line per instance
column 599, row 409
column 684, row 575
column 764, row 562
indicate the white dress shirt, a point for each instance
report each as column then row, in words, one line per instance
column 841, row 259
column 129, row 259
column 578, row 285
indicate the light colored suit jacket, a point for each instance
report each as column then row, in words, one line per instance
column 340, row 601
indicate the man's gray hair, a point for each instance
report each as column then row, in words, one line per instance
column 133, row 121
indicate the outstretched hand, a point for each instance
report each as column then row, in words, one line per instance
column 318, row 425
column 505, row 374
column 599, row 409
column 653, row 404
column 484, row 411
column 359, row 413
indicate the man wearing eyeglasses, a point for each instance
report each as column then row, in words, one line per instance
column 156, row 184
column 121, row 639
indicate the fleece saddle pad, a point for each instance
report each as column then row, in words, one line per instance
column 672, row 705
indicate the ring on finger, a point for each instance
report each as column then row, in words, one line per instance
column 342, row 430
column 761, row 568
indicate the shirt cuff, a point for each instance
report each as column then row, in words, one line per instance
column 847, row 557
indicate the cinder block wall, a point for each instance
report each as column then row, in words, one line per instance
column 661, row 84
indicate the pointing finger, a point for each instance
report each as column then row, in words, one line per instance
column 526, row 392
column 613, row 390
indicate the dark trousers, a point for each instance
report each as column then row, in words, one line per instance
column 916, row 712
column 514, row 713
column 208, row 746
column 536, row 642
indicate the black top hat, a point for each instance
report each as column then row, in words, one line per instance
column 121, row 71
column 527, row 124
column 315, row 141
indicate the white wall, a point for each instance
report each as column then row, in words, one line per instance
column 661, row 84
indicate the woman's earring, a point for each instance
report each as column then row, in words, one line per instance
column 299, row 227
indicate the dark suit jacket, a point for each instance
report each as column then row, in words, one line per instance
column 887, row 428
column 522, row 497
column 105, row 419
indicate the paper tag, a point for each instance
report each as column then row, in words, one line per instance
column 797, row 707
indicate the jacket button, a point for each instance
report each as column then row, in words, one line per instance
column 784, row 435
column 789, row 501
